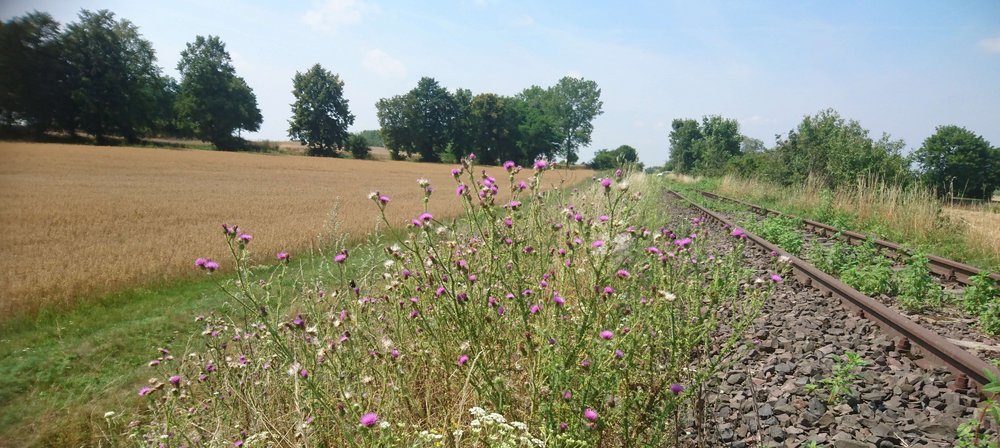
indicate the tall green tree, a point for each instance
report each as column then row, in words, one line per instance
column 320, row 114
column 540, row 135
column 213, row 101
column 958, row 161
column 576, row 103
column 684, row 134
column 431, row 112
column 395, row 129
column 114, row 79
column 463, row 135
column 33, row 74
column 494, row 120
column 720, row 142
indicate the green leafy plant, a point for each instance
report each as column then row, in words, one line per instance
column 982, row 298
column 916, row 289
column 832, row 259
column 868, row 271
column 780, row 230
column 838, row 385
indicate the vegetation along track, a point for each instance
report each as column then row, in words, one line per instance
column 935, row 348
column 943, row 267
column 816, row 375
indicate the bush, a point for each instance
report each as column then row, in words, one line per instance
column 358, row 147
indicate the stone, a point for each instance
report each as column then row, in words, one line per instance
column 735, row 378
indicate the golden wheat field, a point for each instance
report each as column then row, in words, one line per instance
column 76, row 221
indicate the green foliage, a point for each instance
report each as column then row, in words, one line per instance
column 706, row 148
column 830, row 258
column 320, row 114
column 838, row 385
column 540, row 134
column 32, row 74
column 916, row 289
column 419, row 122
column 357, row 145
column 610, row 159
column 493, row 121
column 780, row 230
column 982, row 298
column 835, row 151
column 576, row 103
column 213, row 101
column 957, row 161
column 373, row 137
column 113, row 79
column 868, row 271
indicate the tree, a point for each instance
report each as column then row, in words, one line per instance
column 836, row 152
column 32, row 73
column 539, row 132
column 320, row 114
column 609, row 159
column 357, row 145
column 114, row 80
column 957, row 161
column 683, row 135
column 720, row 142
column 373, row 137
column 213, row 101
column 396, row 132
column 462, row 138
column 431, row 113
column 494, row 121
column 576, row 103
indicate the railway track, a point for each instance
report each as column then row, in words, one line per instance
column 969, row 370
column 949, row 270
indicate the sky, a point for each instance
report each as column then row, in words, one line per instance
column 898, row 67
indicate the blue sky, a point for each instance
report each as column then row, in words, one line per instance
column 901, row 67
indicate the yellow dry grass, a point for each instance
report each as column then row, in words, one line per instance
column 982, row 225
column 76, row 221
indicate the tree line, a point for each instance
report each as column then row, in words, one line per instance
column 437, row 124
column 836, row 151
column 98, row 75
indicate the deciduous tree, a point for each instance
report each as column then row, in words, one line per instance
column 320, row 114
column 957, row 161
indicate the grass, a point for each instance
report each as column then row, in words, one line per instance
column 912, row 215
column 82, row 221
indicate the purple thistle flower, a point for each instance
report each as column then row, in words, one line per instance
column 563, row 426
column 522, row 185
column 608, row 290
column 603, row 218
column 394, row 353
column 500, row 310
column 585, row 363
column 245, row 237
column 368, row 420
column 211, row 265
column 738, row 233
column 456, row 172
column 145, row 391
column 590, row 414
column 619, row 354
column 567, row 395
column 340, row 257
column 535, row 309
column 175, row 380
column 282, row 256
column 607, row 335
column 776, row 278
column 154, row 363
column 200, row 262
column 598, row 243
column 559, row 300
column 606, row 183
column 527, row 292
column 244, row 360
column 623, row 274
column 618, row 173
column 462, row 360
column 676, row 388
column 461, row 189
column 473, row 278
column 509, row 165
column 426, row 217
column 513, row 205
column 304, row 373
column 540, row 165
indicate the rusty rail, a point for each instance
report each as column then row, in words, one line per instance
column 935, row 348
column 940, row 266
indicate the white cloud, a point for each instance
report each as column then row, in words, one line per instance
column 384, row 65
column 991, row 45
column 333, row 14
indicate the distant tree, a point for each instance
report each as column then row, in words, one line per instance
column 431, row 113
column 683, row 136
column 33, row 74
column 494, row 121
column 720, row 142
column 357, row 145
column 113, row 78
column 835, row 151
column 957, row 161
column 463, row 134
column 213, row 101
column 320, row 114
column 750, row 145
column 610, row 159
column 539, row 132
column 373, row 137
column 395, row 127
column 576, row 103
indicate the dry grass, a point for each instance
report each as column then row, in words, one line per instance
column 982, row 224
column 77, row 221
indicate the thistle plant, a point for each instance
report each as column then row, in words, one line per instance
column 573, row 312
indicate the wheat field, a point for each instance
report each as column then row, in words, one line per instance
column 79, row 221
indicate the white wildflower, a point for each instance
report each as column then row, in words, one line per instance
column 373, row 195
column 384, row 425
column 520, row 426
column 424, row 183
column 477, row 412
